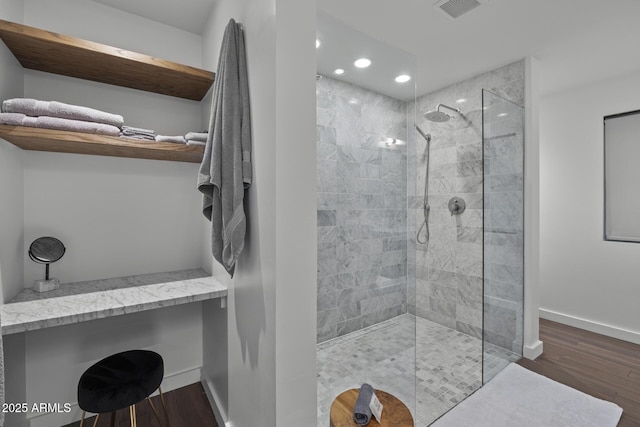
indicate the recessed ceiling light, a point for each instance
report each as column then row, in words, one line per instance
column 362, row 63
column 317, row 43
column 338, row 71
column 403, row 78
column 503, row 114
column 461, row 101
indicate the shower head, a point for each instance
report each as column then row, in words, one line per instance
column 438, row 116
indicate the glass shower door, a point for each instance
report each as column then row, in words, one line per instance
column 364, row 333
column 503, row 294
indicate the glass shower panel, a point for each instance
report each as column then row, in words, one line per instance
column 447, row 268
column 503, row 150
column 364, row 333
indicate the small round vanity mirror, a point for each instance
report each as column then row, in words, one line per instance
column 46, row 250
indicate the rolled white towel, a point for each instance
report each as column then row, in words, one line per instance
column 56, row 123
column 196, row 136
column 178, row 139
column 35, row 108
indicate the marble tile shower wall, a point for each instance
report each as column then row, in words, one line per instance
column 362, row 208
column 445, row 276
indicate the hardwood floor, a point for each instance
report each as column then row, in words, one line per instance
column 187, row 406
column 601, row 366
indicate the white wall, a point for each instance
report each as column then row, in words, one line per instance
column 56, row 357
column 135, row 216
column 532, row 346
column 96, row 22
column 250, row 314
column 584, row 281
column 11, row 177
column 11, row 221
column 271, row 304
column 116, row 216
column 296, row 213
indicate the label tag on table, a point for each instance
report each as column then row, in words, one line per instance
column 376, row 407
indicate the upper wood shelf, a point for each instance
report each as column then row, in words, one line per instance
column 69, row 56
column 83, row 143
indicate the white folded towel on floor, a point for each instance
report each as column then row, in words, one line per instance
column 196, row 136
column 34, row 108
column 56, row 123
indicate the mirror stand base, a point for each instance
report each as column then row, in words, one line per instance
column 46, row 285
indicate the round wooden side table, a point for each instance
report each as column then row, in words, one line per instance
column 394, row 412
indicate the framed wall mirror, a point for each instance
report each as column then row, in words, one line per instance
column 622, row 177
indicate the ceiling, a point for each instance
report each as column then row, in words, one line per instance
column 340, row 46
column 576, row 41
column 188, row 15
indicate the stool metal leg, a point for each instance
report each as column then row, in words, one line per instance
column 82, row 419
column 164, row 407
column 153, row 408
column 113, row 419
column 95, row 423
column 135, row 418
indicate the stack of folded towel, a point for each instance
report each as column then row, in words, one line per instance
column 138, row 133
column 59, row 116
column 196, row 138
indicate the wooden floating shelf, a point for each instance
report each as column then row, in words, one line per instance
column 69, row 56
column 58, row 141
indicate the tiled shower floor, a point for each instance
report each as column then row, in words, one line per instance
column 448, row 365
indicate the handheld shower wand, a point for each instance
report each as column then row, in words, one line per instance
column 425, row 204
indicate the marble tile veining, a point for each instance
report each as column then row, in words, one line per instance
column 366, row 177
column 478, row 156
column 83, row 301
column 429, row 367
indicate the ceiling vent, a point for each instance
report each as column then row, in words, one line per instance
column 456, row 8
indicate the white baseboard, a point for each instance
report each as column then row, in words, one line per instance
column 531, row 352
column 214, row 401
column 590, row 325
column 170, row 382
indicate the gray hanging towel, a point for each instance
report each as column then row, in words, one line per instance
column 225, row 171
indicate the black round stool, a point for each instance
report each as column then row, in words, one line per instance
column 119, row 381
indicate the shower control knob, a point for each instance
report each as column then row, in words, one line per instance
column 456, row 206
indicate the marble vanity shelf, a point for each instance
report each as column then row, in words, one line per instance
column 98, row 299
